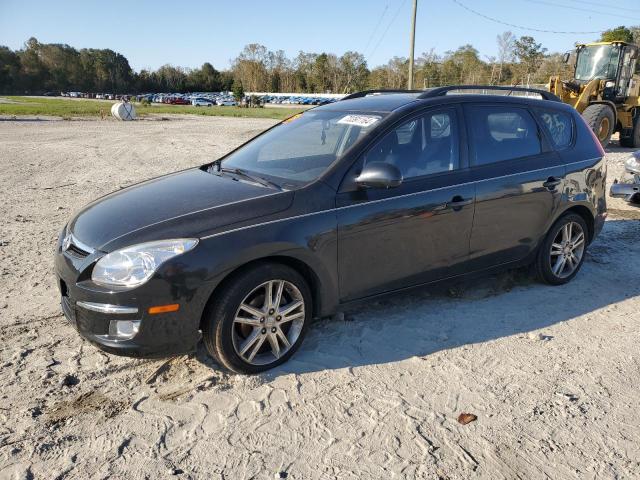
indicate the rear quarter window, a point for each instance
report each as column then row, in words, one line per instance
column 559, row 126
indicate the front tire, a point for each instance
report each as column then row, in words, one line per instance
column 563, row 250
column 259, row 318
column 601, row 120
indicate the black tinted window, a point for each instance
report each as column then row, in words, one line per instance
column 422, row 146
column 502, row 133
column 559, row 126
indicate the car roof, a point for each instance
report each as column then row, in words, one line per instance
column 389, row 102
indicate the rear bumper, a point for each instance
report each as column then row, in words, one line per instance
column 599, row 224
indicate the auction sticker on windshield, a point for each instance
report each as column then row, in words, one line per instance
column 359, row 120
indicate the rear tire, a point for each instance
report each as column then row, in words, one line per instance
column 567, row 239
column 634, row 140
column 601, row 120
column 230, row 328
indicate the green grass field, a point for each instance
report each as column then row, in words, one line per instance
column 68, row 108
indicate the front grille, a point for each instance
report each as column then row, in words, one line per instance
column 76, row 251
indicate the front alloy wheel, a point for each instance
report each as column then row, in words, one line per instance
column 268, row 321
column 258, row 318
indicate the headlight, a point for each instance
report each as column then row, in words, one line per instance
column 633, row 163
column 131, row 266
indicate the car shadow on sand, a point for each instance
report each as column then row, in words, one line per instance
column 423, row 322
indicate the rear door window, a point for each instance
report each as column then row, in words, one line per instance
column 559, row 126
column 500, row 133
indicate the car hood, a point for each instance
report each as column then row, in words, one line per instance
column 190, row 203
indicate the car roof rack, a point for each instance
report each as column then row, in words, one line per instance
column 364, row 93
column 441, row 91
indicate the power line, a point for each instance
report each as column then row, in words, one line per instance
column 595, row 4
column 581, row 9
column 388, row 27
column 513, row 25
column 375, row 30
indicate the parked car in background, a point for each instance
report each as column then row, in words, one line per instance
column 226, row 102
column 179, row 101
column 201, row 102
column 628, row 187
column 373, row 194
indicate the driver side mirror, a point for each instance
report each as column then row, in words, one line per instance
column 379, row 175
column 565, row 57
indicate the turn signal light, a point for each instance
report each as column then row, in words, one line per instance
column 164, row 308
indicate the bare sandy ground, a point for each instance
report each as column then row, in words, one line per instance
column 551, row 372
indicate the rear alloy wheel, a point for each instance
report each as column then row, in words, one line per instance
column 259, row 319
column 601, row 120
column 562, row 253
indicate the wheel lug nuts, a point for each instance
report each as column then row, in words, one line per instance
column 262, row 320
column 271, row 312
column 278, row 318
column 273, row 329
column 264, row 330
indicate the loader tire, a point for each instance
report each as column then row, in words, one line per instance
column 634, row 140
column 601, row 120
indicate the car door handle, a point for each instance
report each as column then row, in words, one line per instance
column 552, row 183
column 458, row 202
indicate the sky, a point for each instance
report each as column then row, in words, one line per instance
column 189, row 33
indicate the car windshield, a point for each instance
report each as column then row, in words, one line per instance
column 301, row 148
column 597, row 61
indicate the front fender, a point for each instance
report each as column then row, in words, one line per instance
column 309, row 239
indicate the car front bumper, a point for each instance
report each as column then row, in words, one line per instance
column 628, row 188
column 91, row 309
column 159, row 336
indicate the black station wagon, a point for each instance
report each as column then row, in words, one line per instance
column 376, row 193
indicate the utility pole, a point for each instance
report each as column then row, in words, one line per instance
column 413, row 42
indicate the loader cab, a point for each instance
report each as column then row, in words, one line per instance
column 612, row 62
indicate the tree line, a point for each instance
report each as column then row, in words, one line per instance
column 40, row 67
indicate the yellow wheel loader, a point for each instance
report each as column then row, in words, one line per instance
column 605, row 89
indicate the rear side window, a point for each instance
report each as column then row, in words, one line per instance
column 559, row 126
column 502, row 133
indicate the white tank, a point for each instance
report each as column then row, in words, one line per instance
column 123, row 111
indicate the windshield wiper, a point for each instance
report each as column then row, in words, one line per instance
column 254, row 178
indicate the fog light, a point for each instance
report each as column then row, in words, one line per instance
column 123, row 329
